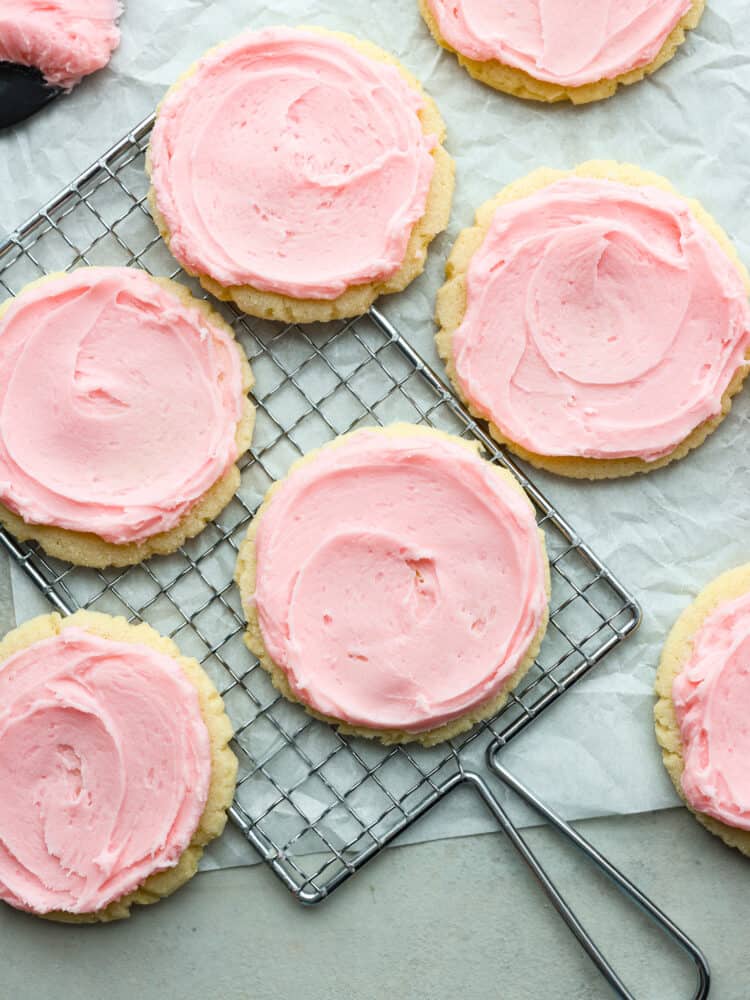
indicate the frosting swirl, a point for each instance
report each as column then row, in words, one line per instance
column 400, row 580
column 137, row 397
column 599, row 40
column 290, row 162
column 711, row 695
column 65, row 39
column 602, row 321
column 105, row 765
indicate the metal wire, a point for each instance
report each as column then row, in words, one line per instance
column 629, row 890
column 315, row 805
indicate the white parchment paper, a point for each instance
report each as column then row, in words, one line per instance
column 667, row 534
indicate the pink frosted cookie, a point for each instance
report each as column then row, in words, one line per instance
column 299, row 173
column 115, row 769
column 554, row 50
column 396, row 584
column 703, row 684
column 65, row 39
column 139, row 414
column 596, row 319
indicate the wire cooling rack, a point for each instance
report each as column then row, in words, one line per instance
column 316, row 805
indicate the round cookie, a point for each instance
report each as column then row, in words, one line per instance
column 379, row 581
column 65, row 41
column 180, row 386
column 305, row 250
column 572, row 83
column 554, row 386
column 677, row 655
column 87, row 719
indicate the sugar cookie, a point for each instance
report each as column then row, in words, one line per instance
column 396, row 584
column 557, row 54
column 299, row 173
column 703, row 689
column 123, row 408
column 596, row 319
column 115, row 769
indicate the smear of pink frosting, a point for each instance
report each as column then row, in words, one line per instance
column 119, row 405
column 602, row 321
column 65, row 39
column 399, row 581
column 290, row 162
column 105, row 764
column 570, row 44
column 712, row 702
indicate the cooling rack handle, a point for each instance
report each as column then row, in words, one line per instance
column 625, row 885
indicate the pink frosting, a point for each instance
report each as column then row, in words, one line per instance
column 570, row 44
column 400, row 580
column 119, row 404
column 602, row 321
column 65, row 39
column 105, row 764
column 712, row 701
column 290, row 162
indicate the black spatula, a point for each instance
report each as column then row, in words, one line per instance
column 23, row 92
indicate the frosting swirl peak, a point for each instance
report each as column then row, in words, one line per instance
column 65, row 39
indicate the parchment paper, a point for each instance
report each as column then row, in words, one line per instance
column 666, row 534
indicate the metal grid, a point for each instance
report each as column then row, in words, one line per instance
column 316, row 805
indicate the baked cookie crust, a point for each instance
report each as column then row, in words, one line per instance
column 245, row 576
column 87, row 549
column 451, row 307
column 223, row 761
column 519, row 83
column 677, row 651
column 356, row 299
